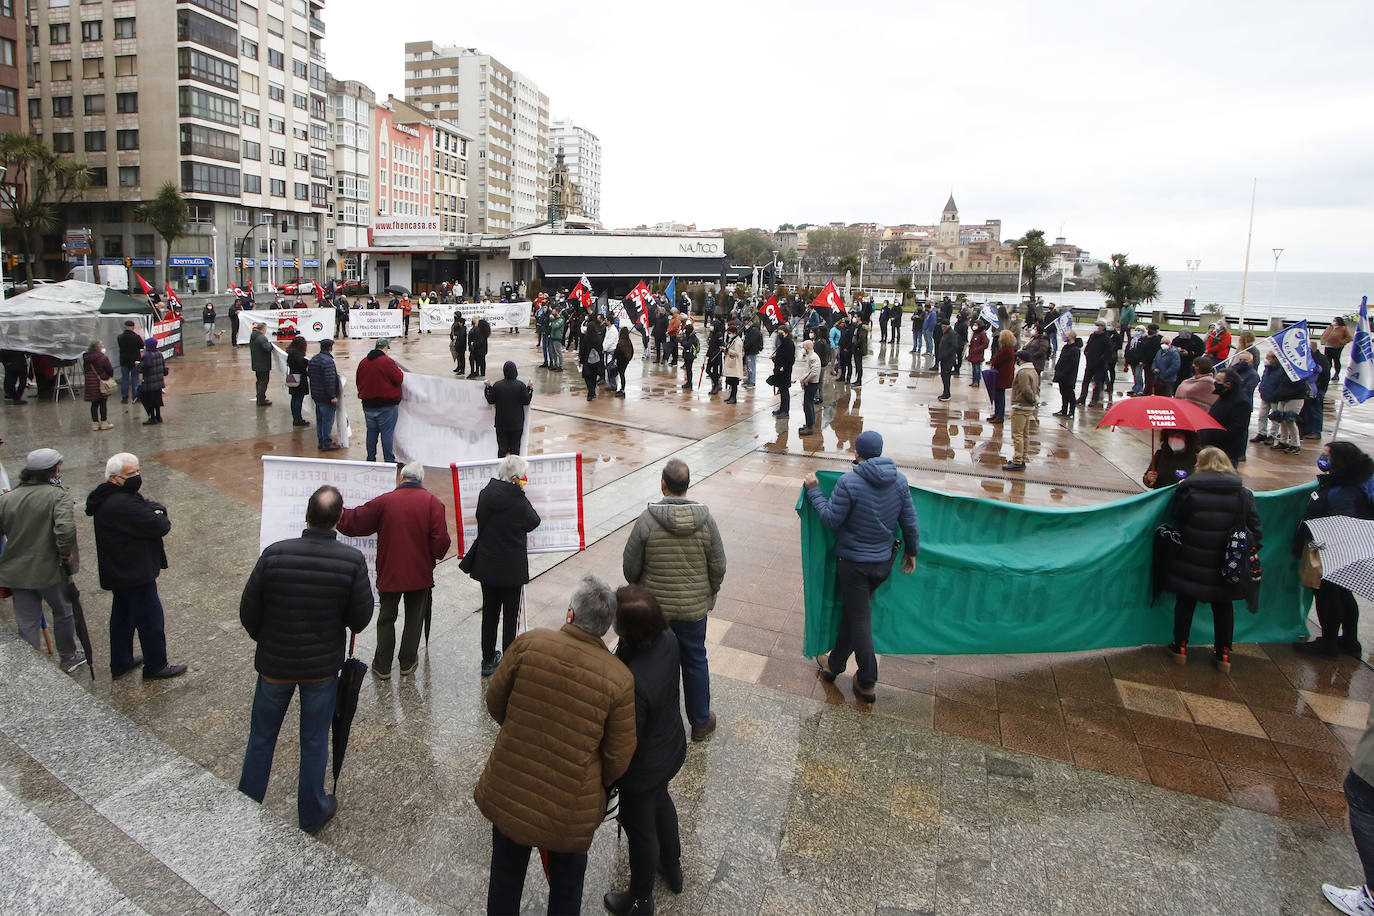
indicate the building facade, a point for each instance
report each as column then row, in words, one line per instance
column 581, row 151
column 507, row 118
column 224, row 99
column 14, row 55
column 350, row 109
column 449, row 168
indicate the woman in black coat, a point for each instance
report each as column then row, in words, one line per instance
column 1340, row 491
column 1066, row 373
column 650, row 650
column 499, row 559
column 296, row 362
column 477, row 349
column 591, row 353
column 1208, row 506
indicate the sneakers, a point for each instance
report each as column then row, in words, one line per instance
column 823, row 667
column 943, row 397
column 1222, row 659
column 1261, row 437
column 1014, row 466
column 166, row 671
column 1353, row 901
column 703, row 731
column 75, row 662
column 1178, row 652
column 489, row 667
column 1293, row 450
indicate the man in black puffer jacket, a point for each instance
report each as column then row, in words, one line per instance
column 301, row 597
column 510, row 397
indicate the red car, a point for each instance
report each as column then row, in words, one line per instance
column 297, row 287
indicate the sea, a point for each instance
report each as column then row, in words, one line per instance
column 1293, row 296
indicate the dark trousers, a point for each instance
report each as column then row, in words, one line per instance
column 650, row 822
column 696, row 674
column 1092, row 376
column 417, row 605
column 809, row 403
column 297, row 401
column 589, row 377
column 262, row 378
column 1223, row 620
column 999, row 402
column 270, row 703
column 508, row 441
column 510, row 861
column 687, row 360
column 137, row 610
column 499, row 604
column 658, row 349
column 1337, row 611
column 858, row 582
column 946, row 372
column 785, row 399
column 1359, row 796
column 99, row 410
column 1066, row 401
column 1334, row 354
column 858, row 368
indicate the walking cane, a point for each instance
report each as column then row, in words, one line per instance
column 43, row 625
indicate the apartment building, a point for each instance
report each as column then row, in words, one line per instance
column 350, row 203
column 582, row 155
column 225, row 99
column 507, row 117
column 449, row 169
column 14, row 54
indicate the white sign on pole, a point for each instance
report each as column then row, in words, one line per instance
column 554, row 489
column 286, row 324
column 287, row 484
column 442, row 420
column 374, row 323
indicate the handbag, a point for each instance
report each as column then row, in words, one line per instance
column 292, row 379
column 1310, row 566
column 1235, row 564
column 109, row 386
column 469, row 558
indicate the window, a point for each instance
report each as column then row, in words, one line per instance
column 95, row 141
column 100, row 177
column 126, row 65
column 252, row 150
column 274, row 27
column 264, row 219
column 250, row 117
column 197, row 65
column 128, row 176
column 276, row 156
column 203, row 30
column 126, row 102
column 278, row 188
column 248, row 83
column 300, row 100
column 7, row 8
column 252, row 184
column 226, row 8
column 317, row 196
column 299, row 132
column 58, row 34
column 247, row 15
column 126, row 139
column 9, row 101
column 197, row 103
column 298, row 38
column 143, row 246
column 197, row 140
column 299, row 68
column 302, row 190
column 310, row 223
column 301, row 161
column 93, row 68
column 240, row 214
column 276, row 59
column 209, row 179
column 61, row 106
column 64, row 142
column 35, row 110
column 276, row 125
column 276, row 93
column 90, row 30
column 126, row 28
column 61, row 71
column 317, row 166
column 249, row 49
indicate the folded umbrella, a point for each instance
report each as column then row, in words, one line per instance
column 990, row 385
column 346, row 706
column 1346, row 547
column 83, row 634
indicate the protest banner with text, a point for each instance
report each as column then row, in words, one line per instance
column 286, row 324
column 442, row 420
column 363, row 323
column 554, row 489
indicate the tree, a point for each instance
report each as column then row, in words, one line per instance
column 789, row 258
column 892, row 252
column 748, row 246
column 1122, row 282
column 37, row 182
column 903, row 286
column 1038, row 256
column 849, row 262
column 785, row 227
column 167, row 213
column 829, row 245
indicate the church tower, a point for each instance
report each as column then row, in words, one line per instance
column 948, row 233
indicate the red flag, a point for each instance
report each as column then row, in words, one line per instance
column 640, row 296
column 582, row 292
column 250, row 286
column 830, row 298
column 770, row 309
column 172, row 299
column 238, row 293
column 319, row 293
column 147, row 290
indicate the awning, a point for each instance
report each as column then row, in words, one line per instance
column 572, row 268
column 397, row 250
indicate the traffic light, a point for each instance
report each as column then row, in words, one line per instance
column 296, row 262
column 13, row 261
column 128, row 262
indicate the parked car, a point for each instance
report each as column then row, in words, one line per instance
column 297, row 287
column 354, row 286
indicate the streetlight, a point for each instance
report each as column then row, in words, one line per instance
column 1274, row 287
column 1020, row 270
column 3, row 170
column 930, row 270
column 214, row 260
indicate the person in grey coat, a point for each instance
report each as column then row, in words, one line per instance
column 865, row 509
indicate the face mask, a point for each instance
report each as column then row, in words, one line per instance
column 1219, row 388
column 1323, row 463
column 522, row 481
column 1176, row 444
column 133, row 483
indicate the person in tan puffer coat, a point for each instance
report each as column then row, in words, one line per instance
column 566, row 707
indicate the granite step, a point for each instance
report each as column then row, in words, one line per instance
column 108, row 819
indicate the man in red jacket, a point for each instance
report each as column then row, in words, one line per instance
column 412, row 535
column 379, row 388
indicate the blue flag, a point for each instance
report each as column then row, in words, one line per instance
column 1293, row 347
column 989, row 314
column 1063, row 324
column 1359, row 373
column 671, row 292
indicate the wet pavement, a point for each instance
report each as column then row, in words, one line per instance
column 1092, row 782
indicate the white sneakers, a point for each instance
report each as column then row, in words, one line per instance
column 1353, row 901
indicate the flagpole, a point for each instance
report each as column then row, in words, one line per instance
column 1245, row 276
column 1340, row 411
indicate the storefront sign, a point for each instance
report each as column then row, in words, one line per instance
column 189, row 262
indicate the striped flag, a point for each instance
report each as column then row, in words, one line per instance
column 1293, row 347
column 1359, row 373
column 989, row 314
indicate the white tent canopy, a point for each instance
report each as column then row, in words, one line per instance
column 61, row 320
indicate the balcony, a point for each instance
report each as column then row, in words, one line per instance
column 317, row 24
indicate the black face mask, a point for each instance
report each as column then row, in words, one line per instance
column 1220, row 389
column 133, row 483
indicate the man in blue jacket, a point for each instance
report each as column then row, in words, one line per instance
column 865, row 509
column 324, row 390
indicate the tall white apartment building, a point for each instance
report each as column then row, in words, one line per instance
column 582, row 155
column 350, row 206
column 507, row 118
column 224, row 98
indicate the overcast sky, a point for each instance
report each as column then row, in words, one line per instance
column 1132, row 127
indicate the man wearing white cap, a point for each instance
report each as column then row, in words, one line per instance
column 38, row 523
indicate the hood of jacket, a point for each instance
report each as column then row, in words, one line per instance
column 678, row 515
column 877, row 472
column 509, row 370
column 374, row 353
column 99, row 495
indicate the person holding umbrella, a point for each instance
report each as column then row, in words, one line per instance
column 300, row 598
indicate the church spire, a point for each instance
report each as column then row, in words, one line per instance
column 950, row 207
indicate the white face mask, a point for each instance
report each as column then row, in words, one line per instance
column 1177, row 444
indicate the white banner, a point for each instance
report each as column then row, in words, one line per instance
column 442, row 420
column 554, row 489
column 500, row 315
column 288, row 482
column 286, row 324
column 364, row 323
column 436, row 317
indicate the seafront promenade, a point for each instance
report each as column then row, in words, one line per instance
column 1095, row 782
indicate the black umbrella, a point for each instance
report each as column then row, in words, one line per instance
column 83, row 634
column 396, row 288
column 346, row 705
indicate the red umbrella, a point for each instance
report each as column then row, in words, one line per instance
column 1155, row 412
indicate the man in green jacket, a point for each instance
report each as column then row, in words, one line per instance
column 260, row 352
column 38, row 524
column 676, row 552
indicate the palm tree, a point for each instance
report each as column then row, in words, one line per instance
column 1037, row 257
column 37, row 182
column 167, row 213
column 1121, row 282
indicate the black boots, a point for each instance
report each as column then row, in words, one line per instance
column 622, row 904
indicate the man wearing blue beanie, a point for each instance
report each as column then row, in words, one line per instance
column 865, row 510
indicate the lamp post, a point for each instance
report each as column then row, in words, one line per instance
column 3, row 170
column 930, row 270
column 1274, row 284
column 243, row 250
column 1193, row 264
column 214, row 260
column 1020, row 271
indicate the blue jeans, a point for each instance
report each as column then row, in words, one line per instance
column 1359, row 796
column 270, row 702
column 1138, row 375
column 696, row 676
column 297, row 400
column 381, row 421
column 929, row 338
column 128, row 383
column 137, row 609
column 552, row 358
column 750, row 361
column 324, row 422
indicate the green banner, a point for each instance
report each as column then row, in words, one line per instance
column 993, row 577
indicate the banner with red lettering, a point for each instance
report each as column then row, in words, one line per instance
column 554, row 488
